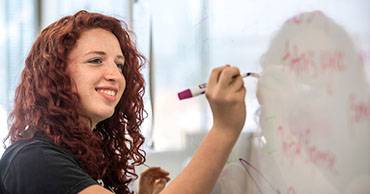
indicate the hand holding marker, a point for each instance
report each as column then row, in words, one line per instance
column 200, row 89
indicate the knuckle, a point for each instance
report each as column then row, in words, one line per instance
column 228, row 70
column 215, row 70
column 237, row 70
column 234, row 70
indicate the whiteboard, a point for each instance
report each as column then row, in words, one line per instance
column 314, row 120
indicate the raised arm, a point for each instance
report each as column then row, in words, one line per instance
column 225, row 93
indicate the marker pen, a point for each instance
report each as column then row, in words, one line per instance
column 146, row 165
column 200, row 89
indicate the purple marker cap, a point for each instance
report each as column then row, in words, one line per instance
column 184, row 94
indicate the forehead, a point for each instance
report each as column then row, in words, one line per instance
column 96, row 39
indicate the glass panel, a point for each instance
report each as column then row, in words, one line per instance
column 177, row 64
column 53, row 10
column 17, row 31
column 191, row 37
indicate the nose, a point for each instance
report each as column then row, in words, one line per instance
column 113, row 73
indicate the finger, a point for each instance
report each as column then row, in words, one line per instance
column 155, row 172
column 161, row 180
column 166, row 178
column 160, row 183
column 160, row 173
column 237, row 84
column 149, row 171
column 164, row 172
column 215, row 75
column 241, row 92
column 228, row 75
column 158, row 186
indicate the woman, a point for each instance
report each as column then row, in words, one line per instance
column 78, row 109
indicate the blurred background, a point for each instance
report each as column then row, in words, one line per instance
column 182, row 40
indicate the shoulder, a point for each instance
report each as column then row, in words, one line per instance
column 43, row 166
column 37, row 153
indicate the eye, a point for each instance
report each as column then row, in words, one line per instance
column 120, row 66
column 96, row 61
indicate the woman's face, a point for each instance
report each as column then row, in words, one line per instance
column 95, row 67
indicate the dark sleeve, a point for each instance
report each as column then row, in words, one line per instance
column 45, row 170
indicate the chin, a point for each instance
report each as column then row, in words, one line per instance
column 108, row 115
column 103, row 116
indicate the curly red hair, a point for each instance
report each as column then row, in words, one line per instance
column 45, row 102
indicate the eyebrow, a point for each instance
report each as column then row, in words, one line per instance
column 103, row 53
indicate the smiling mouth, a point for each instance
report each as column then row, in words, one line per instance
column 108, row 92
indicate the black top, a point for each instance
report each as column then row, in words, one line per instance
column 39, row 166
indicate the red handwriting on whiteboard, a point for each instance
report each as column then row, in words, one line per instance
column 300, row 146
column 301, row 19
column 364, row 56
column 331, row 61
column 312, row 62
column 360, row 110
column 249, row 168
column 291, row 190
column 320, row 157
column 291, row 149
column 298, row 62
column 296, row 20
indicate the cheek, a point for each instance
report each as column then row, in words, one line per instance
column 123, row 85
column 73, row 76
column 79, row 84
column 76, row 83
